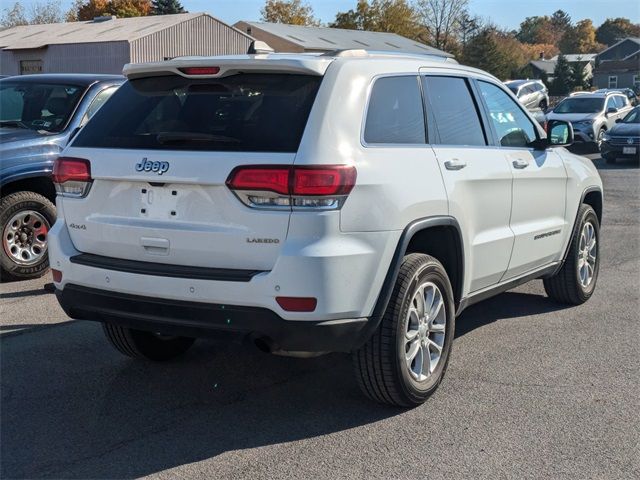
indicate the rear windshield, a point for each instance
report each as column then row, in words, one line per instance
column 245, row 112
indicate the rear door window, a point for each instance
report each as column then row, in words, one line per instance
column 395, row 114
column 244, row 112
column 454, row 110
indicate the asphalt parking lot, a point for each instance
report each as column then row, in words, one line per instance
column 533, row 390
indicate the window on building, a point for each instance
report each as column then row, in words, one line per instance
column 613, row 81
column 454, row 110
column 30, row 66
column 395, row 114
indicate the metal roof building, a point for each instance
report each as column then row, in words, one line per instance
column 296, row 38
column 106, row 44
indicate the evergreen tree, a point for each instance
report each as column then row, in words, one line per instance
column 563, row 79
column 167, row 7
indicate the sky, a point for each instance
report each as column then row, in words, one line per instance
column 504, row 13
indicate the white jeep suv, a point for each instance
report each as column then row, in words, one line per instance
column 353, row 202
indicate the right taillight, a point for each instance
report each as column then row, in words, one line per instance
column 323, row 187
column 72, row 176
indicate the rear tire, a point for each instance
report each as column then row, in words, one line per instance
column 140, row 344
column 404, row 361
column 576, row 281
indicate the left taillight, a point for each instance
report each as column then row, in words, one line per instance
column 72, row 176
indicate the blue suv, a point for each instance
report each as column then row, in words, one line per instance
column 39, row 114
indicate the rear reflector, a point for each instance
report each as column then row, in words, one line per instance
column 57, row 275
column 297, row 304
column 72, row 176
column 200, row 70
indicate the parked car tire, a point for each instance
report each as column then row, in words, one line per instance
column 25, row 220
column 601, row 133
column 140, row 344
column 575, row 282
column 393, row 366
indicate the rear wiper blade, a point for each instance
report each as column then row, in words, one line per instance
column 176, row 137
column 14, row 123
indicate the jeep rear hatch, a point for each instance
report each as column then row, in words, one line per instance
column 160, row 151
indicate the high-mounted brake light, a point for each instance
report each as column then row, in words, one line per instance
column 300, row 187
column 72, row 176
column 200, row 70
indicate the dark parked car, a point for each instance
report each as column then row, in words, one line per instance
column 39, row 114
column 623, row 140
column 532, row 93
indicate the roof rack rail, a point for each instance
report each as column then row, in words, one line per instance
column 360, row 52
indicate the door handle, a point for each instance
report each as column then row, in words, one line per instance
column 454, row 164
column 520, row 163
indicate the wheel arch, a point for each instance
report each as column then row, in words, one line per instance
column 593, row 197
column 41, row 184
column 439, row 237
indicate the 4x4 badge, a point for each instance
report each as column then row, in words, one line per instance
column 146, row 166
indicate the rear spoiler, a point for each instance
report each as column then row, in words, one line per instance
column 229, row 65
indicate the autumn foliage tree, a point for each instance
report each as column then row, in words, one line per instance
column 613, row 30
column 292, row 12
column 394, row 16
column 120, row 8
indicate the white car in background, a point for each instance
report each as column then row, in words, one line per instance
column 591, row 114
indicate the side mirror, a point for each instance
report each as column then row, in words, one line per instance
column 559, row 133
column 612, row 110
column 618, row 120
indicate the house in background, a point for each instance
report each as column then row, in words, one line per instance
column 619, row 65
column 543, row 69
column 106, row 44
column 296, row 38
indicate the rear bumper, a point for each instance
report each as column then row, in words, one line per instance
column 195, row 319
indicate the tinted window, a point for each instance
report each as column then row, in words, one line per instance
column 633, row 117
column 513, row 127
column 395, row 113
column 454, row 110
column 98, row 101
column 611, row 103
column 37, row 106
column 245, row 112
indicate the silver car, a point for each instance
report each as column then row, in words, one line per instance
column 533, row 94
column 591, row 114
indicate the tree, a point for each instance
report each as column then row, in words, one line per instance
column 119, row 8
column 394, row 16
column 613, row 30
column 563, row 80
column 38, row 13
column 560, row 22
column 166, row 7
column 468, row 26
column 14, row 16
column 580, row 39
column 483, row 51
column 537, row 30
column 442, row 17
column 579, row 76
column 292, row 12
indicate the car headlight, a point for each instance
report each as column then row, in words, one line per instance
column 583, row 124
